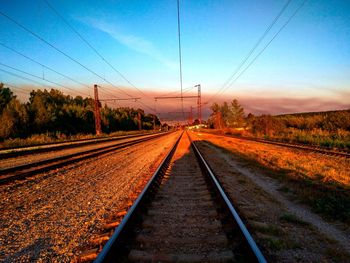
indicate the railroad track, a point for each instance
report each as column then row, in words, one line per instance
column 181, row 215
column 41, row 148
column 24, row 170
column 321, row 150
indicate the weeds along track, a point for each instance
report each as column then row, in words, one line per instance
column 181, row 215
column 24, row 170
column 299, row 146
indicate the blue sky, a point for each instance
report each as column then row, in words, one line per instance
column 308, row 61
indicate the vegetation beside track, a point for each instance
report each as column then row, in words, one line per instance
column 328, row 129
column 53, row 116
column 322, row 182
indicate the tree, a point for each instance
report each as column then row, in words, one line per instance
column 267, row 125
column 13, row 119
column 236, row 115
column 55, row 113
column 6, row 95
column 226, row 115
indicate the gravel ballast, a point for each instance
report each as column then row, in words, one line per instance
column 47, row 217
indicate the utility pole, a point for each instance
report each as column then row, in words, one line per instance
column 154, row 122
column 97, row 112
column 199, row 103
column 139, row 120
column 191, row 115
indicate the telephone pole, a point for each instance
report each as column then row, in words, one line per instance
column 97, row 112
column 139, row 120
column 199, row 103
column 191, row 115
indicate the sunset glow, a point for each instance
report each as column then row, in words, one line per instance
column 305, row 68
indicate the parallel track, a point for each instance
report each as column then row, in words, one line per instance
column 6, row 153
column 181, row 215
column 321, row 150
column 22, row 171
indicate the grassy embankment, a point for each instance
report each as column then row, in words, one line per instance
column 339, row 139
column 327, row 129
column 322, row 182
column 317, row 137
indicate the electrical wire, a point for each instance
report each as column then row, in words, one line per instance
column 261, row 38
column 180, row 56
column 60, row 51
column 44, row 66
column 50, row 81
column 92, row 47
column 185, row 90
column 267, row 45
column 25, row 78
column 51, row 69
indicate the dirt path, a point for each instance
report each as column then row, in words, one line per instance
column 288, row 231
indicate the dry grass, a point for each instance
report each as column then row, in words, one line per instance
column 320, row 181
column 307, row 165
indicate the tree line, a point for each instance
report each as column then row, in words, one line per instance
column 51, row 111
column 330, row 128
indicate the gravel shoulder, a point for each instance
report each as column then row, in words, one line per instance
column 47, row 217
column 286, row 230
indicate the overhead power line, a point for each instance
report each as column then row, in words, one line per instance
column 44, row 79
column 55, row 71
column 25, row 78
column 60, row 51
column 146, row 106
column 92, row 47
column 112, row 96
column 47, row 67
column 258, row 42
column 228, row 83
column 180, row 56
column 184, row 90
column 267, row 45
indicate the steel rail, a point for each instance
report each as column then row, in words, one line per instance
column 14, row 152
column 115, row 238
column 25, row 170
column 253, row 246
column 115, row 244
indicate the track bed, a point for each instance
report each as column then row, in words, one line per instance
column 182, row 219
column 182, row 223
